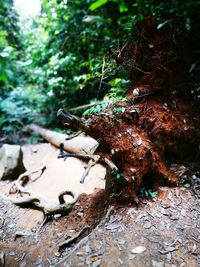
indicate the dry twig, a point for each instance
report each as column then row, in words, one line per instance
column 72, row 239
column 24, row 177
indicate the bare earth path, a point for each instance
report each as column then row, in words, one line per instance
column 167, row 228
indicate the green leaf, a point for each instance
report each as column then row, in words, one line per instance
column 123, row 8
column 97, row 4
column 153, row 193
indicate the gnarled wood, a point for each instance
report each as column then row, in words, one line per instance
column 77, row 145
column 74, row 122
column 41, row 202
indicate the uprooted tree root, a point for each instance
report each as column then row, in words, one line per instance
column 159, row 122
column 39, row 201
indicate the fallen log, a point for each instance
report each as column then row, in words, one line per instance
column 77, row 145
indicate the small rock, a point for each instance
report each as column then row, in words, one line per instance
column 34, row 150
column 138, row 250
column 165, row 205
column 112, row 151
column 19, row 234
column 194, row 249
column 187, row 185
column 11, row 162
column 57, row 254
column 133, row 170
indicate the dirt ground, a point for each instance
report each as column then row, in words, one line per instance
column 167, row 228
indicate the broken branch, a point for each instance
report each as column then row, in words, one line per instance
column 72, row 239
column 89, row 166
column 74, row 122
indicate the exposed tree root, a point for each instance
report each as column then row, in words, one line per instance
column 39, row 201
column 93, row 159
column 24, row 177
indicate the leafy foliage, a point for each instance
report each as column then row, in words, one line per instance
column 15, row 112
column 118, row 176
column 9, row 43
column 10, row 46
column 64, row 58
column 69, row 61
column 148, row 192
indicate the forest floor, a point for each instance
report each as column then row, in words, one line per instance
column 164, row 231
